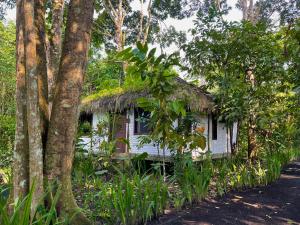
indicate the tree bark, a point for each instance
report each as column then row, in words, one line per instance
column 232, row 147
column 41, row 68
column 141, row 21
column 252, row 141
column 33, row 115
column 64, row 116
column 21, row 154
column 55, row 45
column 146, row 33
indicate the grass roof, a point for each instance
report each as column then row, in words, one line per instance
column 120, row 98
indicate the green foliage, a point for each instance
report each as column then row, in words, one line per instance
column 133, row 197
column 193, row 179
column 21, row 211
column 7, row 68
column 131, row 84
column 104, row 32
column 160, row 75
column 7, row 132
column 253, row 71
column 237, row 173
column 128, row 199
column 101, row 74
column 7, row 91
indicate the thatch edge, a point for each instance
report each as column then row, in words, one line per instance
column 197, row 99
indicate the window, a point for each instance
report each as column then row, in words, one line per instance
column 186, row 124
column 141, row 121
column 214, row 127
column 85, row 123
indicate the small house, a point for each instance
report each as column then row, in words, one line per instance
column 132, row 125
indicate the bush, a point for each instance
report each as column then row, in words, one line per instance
column 127, row 199
column 237, row 174
column 193, row 179
column 21, row 211
column 7, row 132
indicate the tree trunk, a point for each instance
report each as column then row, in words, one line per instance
column 41, row 68
column 146, row 33
column 64, row 116
column 139, row 36
column 21, row 154
column 232, row 147
column 252, row 142
column 33, row 115
column 55, row 45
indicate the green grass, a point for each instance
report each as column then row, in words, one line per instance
column 130, row 85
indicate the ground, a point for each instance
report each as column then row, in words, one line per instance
column 277, row 203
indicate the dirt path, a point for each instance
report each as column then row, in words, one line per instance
column 277, row 203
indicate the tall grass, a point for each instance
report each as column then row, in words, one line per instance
column 193, row 179
column 237, row 173
column 134, row 197
column 19, row 213
column 128, row 199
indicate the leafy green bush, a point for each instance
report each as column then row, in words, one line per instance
column 21, row 211
column 193, row 179
column 128, row 199
column 7, row 132
column 132, row 197
column 237, row 174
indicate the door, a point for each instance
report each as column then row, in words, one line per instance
column 120, row 122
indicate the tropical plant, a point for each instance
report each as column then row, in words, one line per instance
column 20, row 212
column 159, row 73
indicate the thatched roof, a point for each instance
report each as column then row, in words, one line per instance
column 119, row 99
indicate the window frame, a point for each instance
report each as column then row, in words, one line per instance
column 137, row 123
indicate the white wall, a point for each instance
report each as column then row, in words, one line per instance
column 134, row 140
column 219, row 146
column 92, row 144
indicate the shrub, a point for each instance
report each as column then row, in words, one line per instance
column 127, row 199
column 7, row 132
column 21, row 211
column 193, row 179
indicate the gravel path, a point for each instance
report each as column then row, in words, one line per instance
column 277, row 203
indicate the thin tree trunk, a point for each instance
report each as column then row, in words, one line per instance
column 141, row 21
column 251, row 11
column 252, row 142
column 237, row 136
column 164, row 163
column 33, row 115
column 55, row 45
column 146, row 33
column 21, row 154
column 64, row 117
column 232, row 148
column 244, row 6
column 41, row 69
